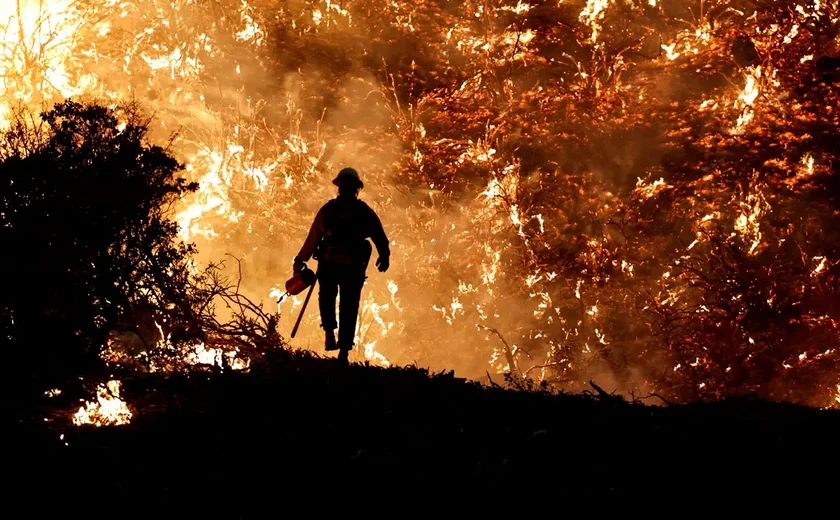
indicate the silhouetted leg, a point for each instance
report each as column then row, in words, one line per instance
column 351, row 293
column 326, row 298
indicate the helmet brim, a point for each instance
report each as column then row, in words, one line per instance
column 345, row 179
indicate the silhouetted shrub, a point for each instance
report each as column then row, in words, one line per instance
column 87, row 244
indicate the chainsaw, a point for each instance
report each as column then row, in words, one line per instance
column 298, row 283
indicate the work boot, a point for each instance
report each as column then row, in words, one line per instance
column 343, row 356
column 329, row 343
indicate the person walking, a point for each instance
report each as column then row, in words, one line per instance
column 338, row 240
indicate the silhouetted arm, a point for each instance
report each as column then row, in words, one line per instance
column 315, row 234
column 377, row 234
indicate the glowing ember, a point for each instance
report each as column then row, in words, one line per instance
column 748, row 223
column 107, row 410
column 650, row 190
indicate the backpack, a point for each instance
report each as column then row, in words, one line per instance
column 345, row 234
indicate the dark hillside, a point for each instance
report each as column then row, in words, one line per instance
column 239, row 445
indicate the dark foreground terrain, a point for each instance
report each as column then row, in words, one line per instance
column 306, row 432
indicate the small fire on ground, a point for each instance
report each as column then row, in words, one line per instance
column 107, row 410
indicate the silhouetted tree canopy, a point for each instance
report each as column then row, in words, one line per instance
column 87, row 243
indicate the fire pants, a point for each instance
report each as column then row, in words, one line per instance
column 349, row 280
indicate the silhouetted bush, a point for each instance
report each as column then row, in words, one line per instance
column 87, row 242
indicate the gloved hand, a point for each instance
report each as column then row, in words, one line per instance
column 383, row 263
column 298, row 265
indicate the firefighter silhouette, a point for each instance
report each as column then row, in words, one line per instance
column 338, row 241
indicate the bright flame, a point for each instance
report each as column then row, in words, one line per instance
column 107, row 410
column 593, row 14
column 748, row 223
column 35, row 41
column 746, row 100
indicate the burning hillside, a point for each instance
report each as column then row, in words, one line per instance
column 639, row 192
